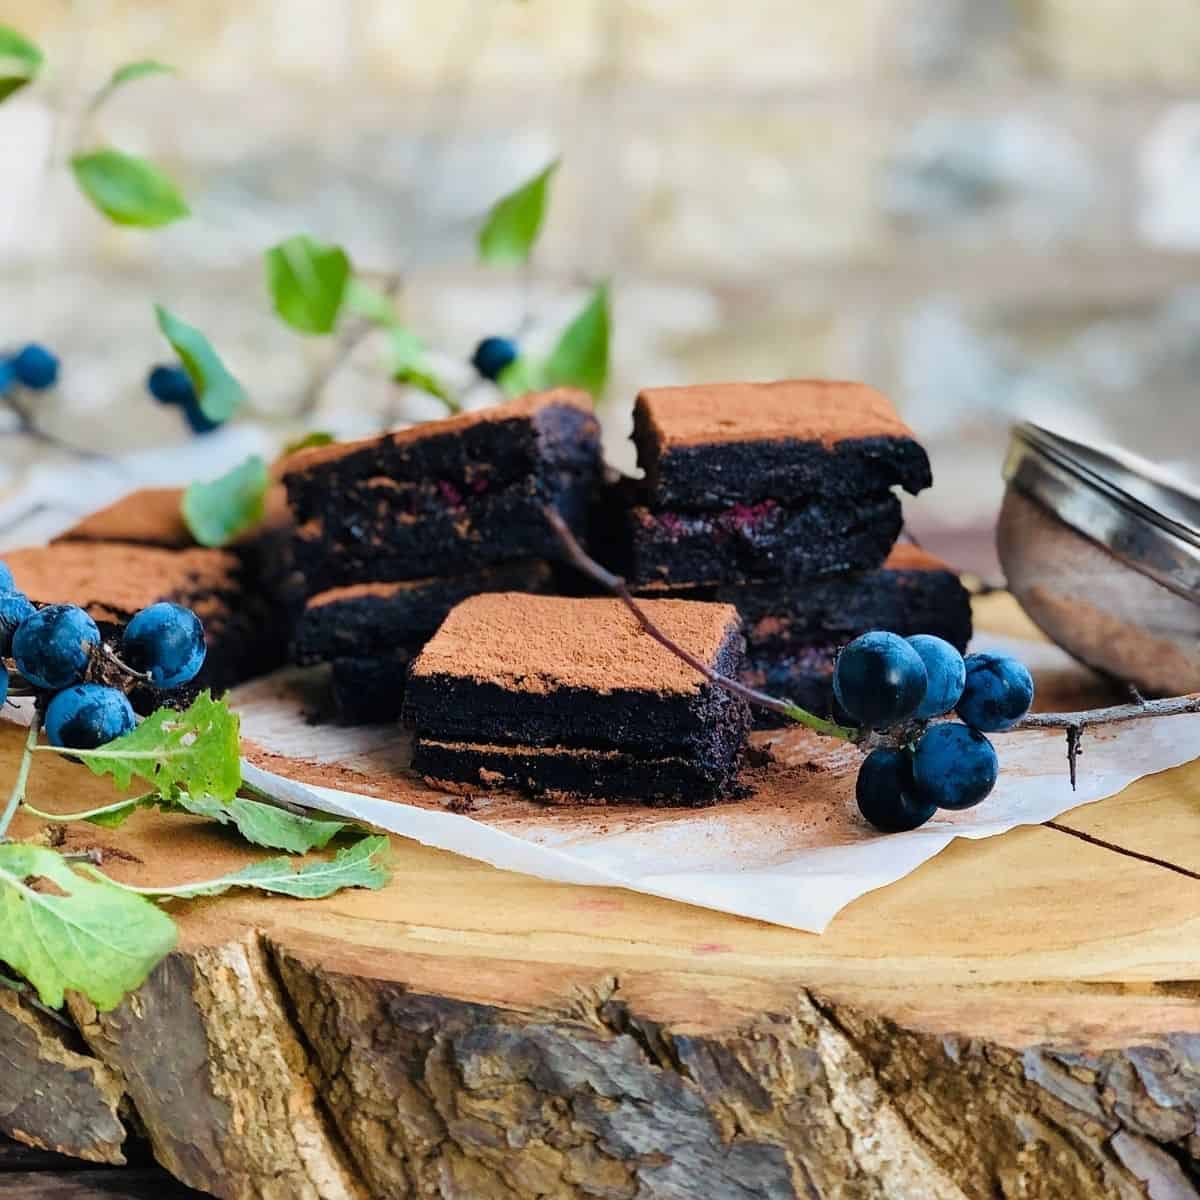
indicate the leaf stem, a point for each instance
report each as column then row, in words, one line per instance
column 18, row 789
column 617, row 585
column 88, row 813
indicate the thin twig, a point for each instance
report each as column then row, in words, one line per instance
column 116, row 659
column 1172, row 706
column 18, row 789
column 22, row 989
column 579, row 558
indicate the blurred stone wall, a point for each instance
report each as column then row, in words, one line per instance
column 988, row 208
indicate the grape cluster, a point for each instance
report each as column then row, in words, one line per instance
column 885, row 682
column 57, row 650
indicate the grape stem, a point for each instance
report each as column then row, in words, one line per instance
column 18, row 789
column 1074, row 723
column 583, row 561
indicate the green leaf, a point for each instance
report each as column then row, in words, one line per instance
column 218, row 512
column 87, row 935
column 513, row 223
column 369, row 302
column 522, row 376
column 20, row 61
column 264, row 824
column 580, row 358
column 128, row 190
column 318, row 437
column 219, row 393
column 410, row 367
column 196, row 751
column 365, row 865
column 307, row 281
column 127, row 74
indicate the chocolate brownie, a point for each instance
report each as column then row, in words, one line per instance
column 579, row 699
column 714, row 445
column 365, row 619
column 469, row 490
column 146, row 517
column 112, row 581
column 369, row 689
column 762, row 541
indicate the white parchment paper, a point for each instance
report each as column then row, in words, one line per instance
column 794, row 854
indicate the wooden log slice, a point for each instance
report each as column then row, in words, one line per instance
column 1020, row 1017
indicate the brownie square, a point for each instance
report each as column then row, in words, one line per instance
column 146, row 517
column 550, row 676
column 365, row 619
column 714, row 445
column 763, row 541
column 112, row 581
column 469, row 490
column 369, row 689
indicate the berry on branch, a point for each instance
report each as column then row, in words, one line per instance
column 167, row 642
column 88, row 715
column 52, row 646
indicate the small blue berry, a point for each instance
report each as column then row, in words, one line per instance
column 35, row 367
column 879, row 679
column 7, row 375
column 3, row 684
column 167, row 641
column 492, row 355
column 998, row 692
column 87, row 716
column 196, row 418
column 170, row 385
column 14, row 608
column 887, row 795
column 52, row 647
column 7, row 583
column 954, row 767
column 945, row 671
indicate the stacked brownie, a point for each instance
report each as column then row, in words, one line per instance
column 569, row 699
column 779, row 498
column 393, row 531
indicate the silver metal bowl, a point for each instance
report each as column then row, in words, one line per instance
column 1103, row 552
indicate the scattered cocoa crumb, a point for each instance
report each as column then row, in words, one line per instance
column 461, row 804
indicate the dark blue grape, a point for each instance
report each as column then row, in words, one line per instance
column 3, row 684
column 7, row 583
column 170, row 385
column 35, row 367
column 7, row 375
column 879, row 680
column 945, row 674
column 887, row 795
column 492, row 355
column 167, row 641
column 997, row 694
column 88, row 715
column 52, row 646
column 954, row 767
column 198, row 419
column 14, row 608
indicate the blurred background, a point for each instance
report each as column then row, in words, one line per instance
column 990, row 209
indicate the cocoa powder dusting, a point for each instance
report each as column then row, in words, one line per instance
column 804, row 410
column 540, row 643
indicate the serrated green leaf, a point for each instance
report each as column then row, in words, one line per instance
column 196, row 751
column 20, row 61
column 372, row 303
column 307, row 280
column 580, row 357
column 364, row 865
column 318, row 437
column 218, row 392
column 513, row 223
column 522, row 376
column 218, row 512
column 127, row 189
column 264, row 824
column 88, row 935
column 128, row 74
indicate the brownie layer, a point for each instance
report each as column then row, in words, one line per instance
column 767, row 540
column 714, row 445
column 365, row 619
column 466, row 456
column 369, row 690
column 386, row 533
column 548, row 670
column 113, row 581
column 568, row 775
